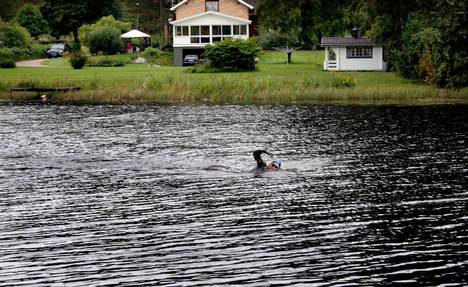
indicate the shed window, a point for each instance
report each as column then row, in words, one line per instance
column 212, row 5
column 359, row 52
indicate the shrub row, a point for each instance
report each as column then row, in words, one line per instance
column 106, row 62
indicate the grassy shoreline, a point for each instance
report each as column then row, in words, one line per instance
column 303, row 82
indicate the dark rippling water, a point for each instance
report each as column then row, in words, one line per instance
column 150, row 196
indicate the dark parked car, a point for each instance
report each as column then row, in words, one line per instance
column 57, row 50
column 191, row 60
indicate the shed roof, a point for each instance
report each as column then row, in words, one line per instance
column 346, row 41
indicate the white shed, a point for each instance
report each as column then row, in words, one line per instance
column 352, row 54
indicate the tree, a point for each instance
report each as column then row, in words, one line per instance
column 311, row 19
column 8, row 9
column 284, row 42
column 66, row 16
column 85, row 30
column 14, row 36
column 105, row 39
column 30, row 17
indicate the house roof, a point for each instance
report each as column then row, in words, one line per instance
column 241, row 20
column 346, row 41
column 244, row 2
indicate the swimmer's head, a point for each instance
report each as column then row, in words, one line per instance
column 276, row 164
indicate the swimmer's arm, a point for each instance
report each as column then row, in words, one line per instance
column 258, row 154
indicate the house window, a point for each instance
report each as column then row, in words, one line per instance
column 212, row 5
column 182, row 31
column 194, row 30
column 359, row 52
column 185, row 31
column 243, row 29
column 216, row 30
column 226, row 30
column 205, row 30
column 239, row 30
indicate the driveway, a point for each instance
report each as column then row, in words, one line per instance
column 31, row 63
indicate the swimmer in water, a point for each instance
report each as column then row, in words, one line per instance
column 261, row 164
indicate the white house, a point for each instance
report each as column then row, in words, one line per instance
column 352, row 54
column 202, row 22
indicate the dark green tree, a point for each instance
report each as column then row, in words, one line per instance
column 13, row 35
column 105, row 39
column 9, row 8
column 30, row 17
column 66, row 16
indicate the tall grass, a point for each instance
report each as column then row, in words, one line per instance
column 274, row 83
column 265, row 90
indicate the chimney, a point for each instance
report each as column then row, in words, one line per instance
column 355, row 32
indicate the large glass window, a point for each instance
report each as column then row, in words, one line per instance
column 185, row 31
column 243, row 29
column 239, row 30
column 205, row 30
column 226, row 30
column 216, row 30
column 359, row 52
column 195, row 30
column 182, row 31
column 212, row 5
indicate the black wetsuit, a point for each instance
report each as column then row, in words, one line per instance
column 258, row 158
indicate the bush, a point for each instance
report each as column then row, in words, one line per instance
column 30, row 17
column 151, row 55
column 346, row 82
column 7, row 58
column 106, row 62
column 75, row 46
column 38, row 51
column 105, row 39
column 233, row 54
column 14, row 36
column 77, row 60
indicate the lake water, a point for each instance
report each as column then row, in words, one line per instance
column 166, row 196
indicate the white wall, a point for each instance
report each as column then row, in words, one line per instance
column 205, row 20
column 366, row 64
column 184, row 41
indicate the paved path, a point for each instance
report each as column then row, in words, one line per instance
column 31, row 63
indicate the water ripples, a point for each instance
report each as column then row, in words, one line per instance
column 165, row 196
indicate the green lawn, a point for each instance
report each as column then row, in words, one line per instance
column 273, row 82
